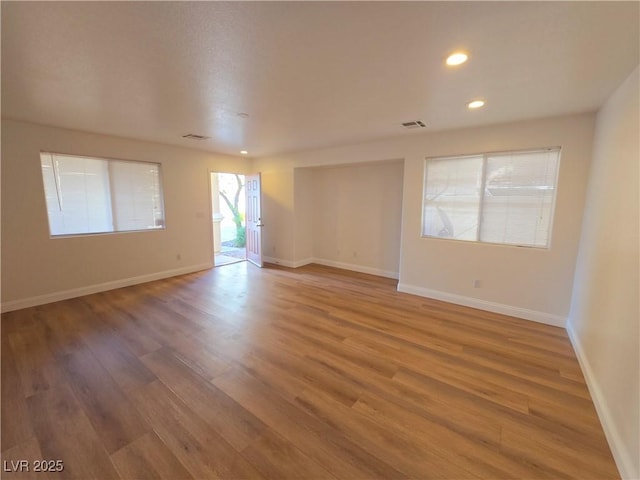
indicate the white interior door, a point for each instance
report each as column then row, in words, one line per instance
column 253, row 219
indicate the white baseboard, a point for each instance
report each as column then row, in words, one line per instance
column 331, row 263
column 621, row 455
column 534, row 315
column 288, row 263
column 100, row 287
column 355, row 268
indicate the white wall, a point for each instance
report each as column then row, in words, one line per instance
column 529, row 283
column 37, row 268
column 304, row 218
column 356, row 217
column 525, row 282
column 605, row 309
column 278, row 216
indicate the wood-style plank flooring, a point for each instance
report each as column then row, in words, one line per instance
column 240, row 372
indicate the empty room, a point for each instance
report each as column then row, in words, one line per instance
column 320, row 240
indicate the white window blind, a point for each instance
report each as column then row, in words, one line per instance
column 95, row 195
column 503, row 198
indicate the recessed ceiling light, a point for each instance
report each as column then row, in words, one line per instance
column 243, row 115
column 457, row 58
column 475, row 104
column 243, row 152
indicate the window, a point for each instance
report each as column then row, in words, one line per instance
column 505, row 198
column 97, row 195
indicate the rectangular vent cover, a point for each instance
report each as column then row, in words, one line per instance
column 193, row 136
column 414, row 124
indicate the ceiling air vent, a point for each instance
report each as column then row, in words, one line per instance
column 414, row 124
column 193, row 136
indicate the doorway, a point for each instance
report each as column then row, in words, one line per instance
column 228, row 206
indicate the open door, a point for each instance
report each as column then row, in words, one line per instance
column 253, row 219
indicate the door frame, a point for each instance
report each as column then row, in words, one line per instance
column 212, row 250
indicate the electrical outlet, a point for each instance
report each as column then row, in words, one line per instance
column 178, row 257
column 477, row 284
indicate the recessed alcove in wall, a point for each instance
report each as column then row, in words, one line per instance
column 349, row 216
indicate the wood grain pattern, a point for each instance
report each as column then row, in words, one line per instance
column 240, row 372
column 28, row 451
column 16, row 425
column 148, row 458
column 65, row 433
column 200, row 448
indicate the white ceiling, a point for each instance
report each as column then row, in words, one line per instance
column 309, row 74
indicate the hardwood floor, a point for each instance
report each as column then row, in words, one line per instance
column 240, row 372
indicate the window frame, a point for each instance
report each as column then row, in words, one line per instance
column 107, row 159
column 485, row 156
